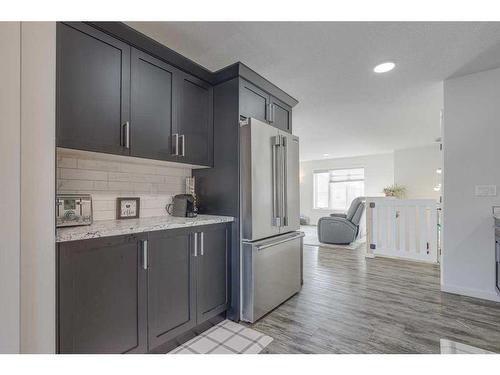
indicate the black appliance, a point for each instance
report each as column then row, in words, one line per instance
column 182, row 206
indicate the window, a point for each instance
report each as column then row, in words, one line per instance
column 336, row 189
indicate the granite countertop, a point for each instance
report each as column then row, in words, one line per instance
column 107, row 228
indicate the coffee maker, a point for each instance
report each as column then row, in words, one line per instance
column 183, row 205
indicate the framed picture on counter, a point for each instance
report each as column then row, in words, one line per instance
column 127, row 208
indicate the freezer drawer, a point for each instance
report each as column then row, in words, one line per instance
column 271, row 273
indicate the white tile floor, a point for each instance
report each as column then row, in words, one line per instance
column 227, row 337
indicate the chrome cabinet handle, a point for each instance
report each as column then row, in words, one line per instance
column 183, row 153
column 270, row 113
column 145, row 254
column 202, row 246
column 126, row 134
column 195, row 244
column 175, row 144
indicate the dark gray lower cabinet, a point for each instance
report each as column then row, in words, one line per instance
column 212, row 280
column 102, row 287
column 171, row 285
column 131, row 294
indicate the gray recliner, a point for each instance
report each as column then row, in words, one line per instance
column 341, row 229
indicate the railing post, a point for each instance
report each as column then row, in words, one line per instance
column 369, row 228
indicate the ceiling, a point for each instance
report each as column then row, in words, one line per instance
column 344, row 108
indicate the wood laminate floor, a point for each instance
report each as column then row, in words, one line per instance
column 350, row 304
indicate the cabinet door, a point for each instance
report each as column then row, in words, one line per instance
column 93, row 77
column 152, row 106
column 281, row 115
column 195, row 128
column 254, row 102
column 102, row 296
column 212, row 282
column 171, row 286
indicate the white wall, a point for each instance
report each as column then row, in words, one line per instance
column 379, row 172
column 10, row 185
column 38, row 64
column 471, row 157
column 415, row 168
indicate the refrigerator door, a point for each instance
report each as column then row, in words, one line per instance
column 259, row 180
column 290, row 206
column 271, row 273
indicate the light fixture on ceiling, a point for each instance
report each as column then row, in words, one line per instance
column 326, row 155
column 384, row 67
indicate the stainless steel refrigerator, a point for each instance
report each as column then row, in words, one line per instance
column 271, row 245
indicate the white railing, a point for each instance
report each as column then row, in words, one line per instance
column 402, row 228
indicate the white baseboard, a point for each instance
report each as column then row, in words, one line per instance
column 454, row 289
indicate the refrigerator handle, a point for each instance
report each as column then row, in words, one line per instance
column 275, row 147
column 297, row 235
column 285, row 181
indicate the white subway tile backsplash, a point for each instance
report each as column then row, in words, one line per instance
column 74, row 186
column 101, row 205
column 138, row 168
column 101, row 185
column 64, row 162
column 104, row 215
column 107, row 177
column 99, row 165
column 142, row 187
column 120, row 186
column 179, row 172
column 82, row 174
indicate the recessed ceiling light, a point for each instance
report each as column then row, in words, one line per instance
column 325, row 155
column 384, row 67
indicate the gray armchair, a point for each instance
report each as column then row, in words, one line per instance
column 342, row 229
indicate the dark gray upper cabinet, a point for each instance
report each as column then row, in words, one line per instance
column 195, row 126
column 153, row 107
column 116, row 99
column 93, row 76
column 212, row 265
column 171, row 285
column 254, row 102
column 101, row 294
column 281, row 115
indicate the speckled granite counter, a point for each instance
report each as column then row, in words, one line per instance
column 107, row 228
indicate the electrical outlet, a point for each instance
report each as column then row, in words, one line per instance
column 486, row 190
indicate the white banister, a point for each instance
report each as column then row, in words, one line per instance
column 402, row 228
